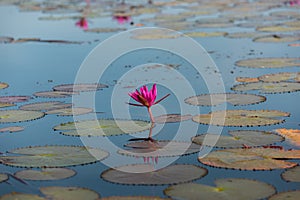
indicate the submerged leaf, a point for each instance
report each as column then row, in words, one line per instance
column 268, row 87
column 138, row 174
column 12, row 116
column 269, row 62
column 46, row 174
column 84, row 87
column 229, row 188
column 292, row 175
column 293, row 135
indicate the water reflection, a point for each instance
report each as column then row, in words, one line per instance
column 83, row 22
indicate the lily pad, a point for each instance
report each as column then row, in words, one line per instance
column 172, row 174
column 3, row 177
column 134, row 198
column 292, row 135
column 5, row 40
column 46, row 106
column 12, row 129
column 163, row 148
column 291, row 195
column 102, row 127
column 105, row 30
column 266, row 87
column 154, row 34
column 206, row 34
column 269, row 62
column 172, row 118
column 13, row 116
column 16, row 195
column 52, row 156
column 236, row 35
column 278, row 28
column 69, row 193
column 240, row 138
column 246, row 79
column 70, row 111
column 84, row 87
column 54, row 94
column 292, row 175
column 14, row 99
column 4, row 105
column 46, row 174
column 232, row 98
column 241, row 117
column 229, row 188
column 276, row 38
column 251, row 158
column 280, row 77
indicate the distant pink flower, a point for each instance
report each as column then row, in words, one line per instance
column 122, row 19
column 82, row 23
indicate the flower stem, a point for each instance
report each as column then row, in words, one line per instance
column 151, row 116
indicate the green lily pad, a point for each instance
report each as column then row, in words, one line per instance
column 3, row 177
column 14, row 99
column 52, row 156
column 46, row 174
column 105, row 30
column 70, row 111
column 16, row 195
column 225, row 189
column 46, row 106
column 216, row 99
column 236, row 35
column 160, row 148
column 269, row 62
column 280, row 77
column 241, row 117
column 84, row 87
column 206, row 34
column 69, row 193
column 240, row 138
column 154, row 34
column 291, row 195
column 278, row 28
column 292, row 175
column 276, row 38
column 54, row 94
column 173, row 25
column 12, row 129
column 12, row 116
column 213, row 23
column 268, row 87
column 145, row 174
column 134, row 198
column 102, row 127
column 3, row 85
column 172, row 118
column 251, row 158
column 4, row 105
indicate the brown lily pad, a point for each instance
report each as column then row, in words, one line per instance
column 84, row 87
column 3, row 85
column 269, row 62
column 292, row 135
column 280, row 77
column 14, row 99
column 105, row 30
column 292, row 174
column 46, row 106
column 134, row 198
column 4, row 105
column 12, row 129
column 3, row 177
column 268, row 87
column 54, row 94
column 246, row 79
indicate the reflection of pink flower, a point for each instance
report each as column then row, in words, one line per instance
column 294, row 2
column 122, row 19
column 82, row 23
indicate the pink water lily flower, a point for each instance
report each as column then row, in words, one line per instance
column 146, row 98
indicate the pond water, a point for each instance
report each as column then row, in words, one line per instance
column 55, row 48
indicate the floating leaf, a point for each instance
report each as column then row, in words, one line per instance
column 5, row 40
column 266, row 87
column 154, row 34
column 240, row 138
column 241, row 117
column 105, row 30
column 12, row 129
column 69, row 193
column 216, row 99
column 291, row 195
column 46, row 174
column 4, row 105
column 145, row 174
column 246, row 79
column 52, row 156
column 70, row 111
column 160, row 149
column 205, row 34
column 134, row 198
column 229, row 188
column 22, row 40
column 292, row 175
column 46, row 106
column 276, row 38
column 280, row 77
column 242, row 35
column 84, row 87
column 251, row 158
column 278, row 28
column 14, row 99
column 16, row 195
column 11, row 116
column 3, row 177
column 213, row 23
column 54, row 94
column 269, row 62
column 170, row 118
column 102, row 127
column 293, row 135
column 173, row 25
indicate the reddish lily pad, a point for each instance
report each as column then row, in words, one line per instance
column 292, row 175
column 172, row 118
column 14, row 99
column 292, row 135
column 3, row 177
column 291, row 195
column 12, row 129
column 240, row 138
column 229, row 188
column 52, row 156
column 3, row 85
column 54, row 94
column 46, row 174
column 269, row 62
column 280, row 77
column 268, row 87
column 232, row 98
column 84, row 87
column 46, row 106
column 251, row 158
column 246, row 79
column 241, row 117
column 13, row 116
column 145, row 174
column 160, row 148
column 69, row 193
column 16, row 195
column 70, row 111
